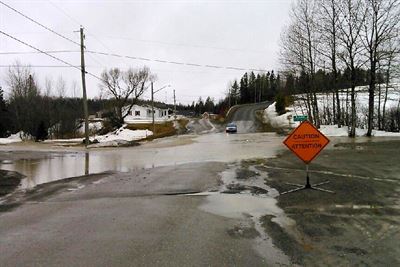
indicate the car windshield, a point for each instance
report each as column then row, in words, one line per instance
column 231, row 125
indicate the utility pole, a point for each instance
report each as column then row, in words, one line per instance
column 229, row 97
column 85, row 107
column 174, row 105
column 152, row 108
column 152, row 102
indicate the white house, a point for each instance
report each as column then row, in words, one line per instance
column 144, row 114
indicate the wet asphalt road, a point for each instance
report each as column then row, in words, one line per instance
column 125, row 220
column 244, row 116
column 138, row 217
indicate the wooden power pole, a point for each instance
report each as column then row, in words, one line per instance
column 152, row 108
column 174, row 105
column 85, row 107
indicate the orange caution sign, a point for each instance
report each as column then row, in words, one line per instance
column 306, row 141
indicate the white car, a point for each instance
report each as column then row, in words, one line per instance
column 231, row 128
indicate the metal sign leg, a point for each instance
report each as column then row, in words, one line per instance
column 308, row 185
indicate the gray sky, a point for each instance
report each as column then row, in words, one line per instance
column 242, row 34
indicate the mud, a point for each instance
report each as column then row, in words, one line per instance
column 243, row 174
column 282, row 239
column 9, row 181
column 240, row 231
column 359, row 225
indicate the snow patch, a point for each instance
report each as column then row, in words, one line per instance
column 283, row 121
column 333, row 130
column 123, row 134
column 93, row 127
column 14, row 138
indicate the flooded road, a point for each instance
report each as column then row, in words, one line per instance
column 202, row 200
column 63, row 163
column 141, row 215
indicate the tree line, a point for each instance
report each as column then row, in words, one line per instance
column 41, row 112
column 333, row 44
column 253, row 88
column 37, row 111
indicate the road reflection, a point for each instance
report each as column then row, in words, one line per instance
column 172, row 151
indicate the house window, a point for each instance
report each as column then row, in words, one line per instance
column 130, row 113
column 137, row 112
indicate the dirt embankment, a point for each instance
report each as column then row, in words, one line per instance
column 359, row 225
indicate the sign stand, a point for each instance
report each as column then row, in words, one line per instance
column 306, row 142
column 308, row 185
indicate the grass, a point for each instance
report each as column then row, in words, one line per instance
column 161, row 129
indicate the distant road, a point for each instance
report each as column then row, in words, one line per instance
column 245, row 117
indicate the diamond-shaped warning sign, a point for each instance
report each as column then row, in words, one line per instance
column 306, row 141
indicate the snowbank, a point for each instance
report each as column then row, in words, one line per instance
column 71, row 140
column 93, row 127
column 333, row 130
column 14, row 138
column 123, row 134
column 285, row 121
column 325, row 103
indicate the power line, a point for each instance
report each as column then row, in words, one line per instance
column 40, row 66
column 38, row 23
column 43, row 52
column 65, row 13
column 125, row 56
column 185, row 45
column 36, row 52
column 175, row 62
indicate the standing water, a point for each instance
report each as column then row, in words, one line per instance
column 217, row 147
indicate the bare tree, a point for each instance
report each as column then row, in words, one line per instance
column 25, row 98
column 48, row 86
column 352, row 17
column 74, row 89
column 328, row 27
column 299, row 50
column 382, row 20
column 61, row 87
column 125, row 87
column 392, row 52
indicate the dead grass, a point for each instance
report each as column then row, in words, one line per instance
column 183, row 123
column 161, row 129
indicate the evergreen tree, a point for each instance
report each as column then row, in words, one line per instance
column 4, row 115
column 266, row 86
column 41, row 132
column 252, row 88
column 234, row 93
column 244, row 89
column 289, row 84
column 272, row 90
column 258, row 88
column 209, row 105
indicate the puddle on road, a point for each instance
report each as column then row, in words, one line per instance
column 62, row 165
column 245, row 206
column 164, row 152
column 235, row 205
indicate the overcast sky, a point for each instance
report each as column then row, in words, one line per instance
column 242, row 34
